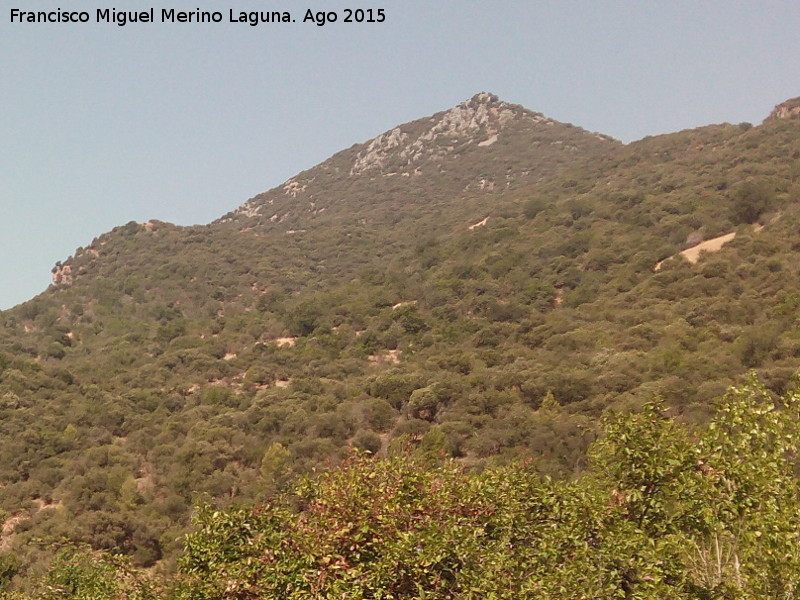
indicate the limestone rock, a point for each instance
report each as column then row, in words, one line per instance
column 785, row 110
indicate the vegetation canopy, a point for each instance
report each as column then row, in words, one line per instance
column 477, row 292
column 663, row 510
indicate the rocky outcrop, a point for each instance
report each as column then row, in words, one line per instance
column 480, row 119
column 62, row 274
column 785, row 110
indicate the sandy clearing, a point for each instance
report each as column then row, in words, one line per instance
column 693, row 254
column 713, row 245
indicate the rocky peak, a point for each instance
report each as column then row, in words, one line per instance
column 785, row 110
column 481, row 145
column 479, row 120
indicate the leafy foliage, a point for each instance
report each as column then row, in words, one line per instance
column 663, row 511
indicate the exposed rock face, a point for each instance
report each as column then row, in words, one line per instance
column 483, row 145
column 480, row 119
column 62, row 275
column 785, row 110
column 65, row 273
column 378, row 151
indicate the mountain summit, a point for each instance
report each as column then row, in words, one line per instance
column 479, row 121
column 482, row 145
column 482, row 116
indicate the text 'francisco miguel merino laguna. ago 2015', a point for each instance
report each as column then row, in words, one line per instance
column 171, row 15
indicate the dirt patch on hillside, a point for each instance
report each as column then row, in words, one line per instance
column 713, row 245
column 479, row 224
column 693, row 254
column 9, row 526
column 559, row 298
column 400, row 305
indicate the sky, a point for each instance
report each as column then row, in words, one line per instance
column 182, row 122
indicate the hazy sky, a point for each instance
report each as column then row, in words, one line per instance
column 103, row 124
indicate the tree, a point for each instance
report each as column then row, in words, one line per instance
column 751, row 200
column 275, row 464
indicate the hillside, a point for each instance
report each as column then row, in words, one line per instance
column 478, row 285
column 480, row 147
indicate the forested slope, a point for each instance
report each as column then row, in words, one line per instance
column 490, row 324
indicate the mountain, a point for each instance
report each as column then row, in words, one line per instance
column 482, row 145
column 480, row 284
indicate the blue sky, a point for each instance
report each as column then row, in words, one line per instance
column 102, row 124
